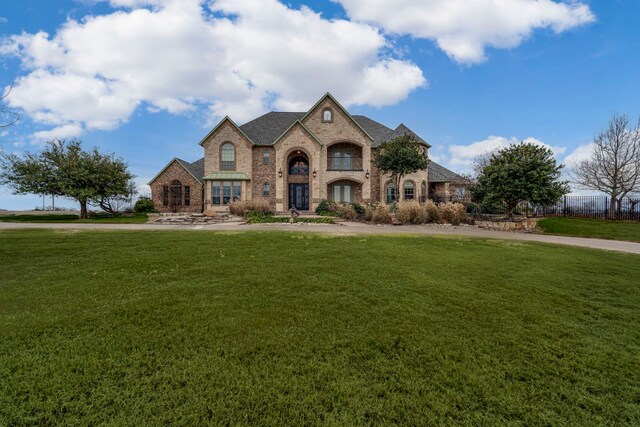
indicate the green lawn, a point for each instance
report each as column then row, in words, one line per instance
column 188, row 328
column 583, row 227
column 133, row 219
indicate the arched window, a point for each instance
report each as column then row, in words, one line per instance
column 391, row 192
column 227, row 157
column 409, row 190
column 176, row 193
column 266, row 189
column 327, row 115
column 298, row 166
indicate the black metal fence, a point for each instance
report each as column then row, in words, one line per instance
column 627, row 209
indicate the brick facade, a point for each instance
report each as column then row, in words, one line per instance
column 175, row 171
column 262, row 174
column 320, row 141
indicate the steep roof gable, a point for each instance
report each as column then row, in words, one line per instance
column 344, row 110
column 219, row 125
column 266, row 129
column 306, row 129
column 195, row 169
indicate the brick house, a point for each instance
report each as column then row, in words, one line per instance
column 296, row 159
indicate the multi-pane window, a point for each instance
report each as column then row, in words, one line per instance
column 341, row 161
column 266, row 189
column 176, row 193
column 237, row 186
column 265, row 157
column 187, row 195
column 165, row 195
column 391, row 192
column 342, row 193
column 227, row 157
column 409, row 190
column 215, row 192
column 225, row 192
column 298, row 166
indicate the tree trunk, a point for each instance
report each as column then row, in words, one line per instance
column 612, row 208
column 83, row 209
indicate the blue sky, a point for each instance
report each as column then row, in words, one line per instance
column 147, row 79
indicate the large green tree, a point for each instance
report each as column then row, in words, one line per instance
column 399, row 157
column 63, row 168
column 519, row 173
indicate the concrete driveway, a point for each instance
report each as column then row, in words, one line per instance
column 348, row 229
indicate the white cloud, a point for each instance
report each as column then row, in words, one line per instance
column 464, row 28
column 236, row 58
column 3, row 20
column 462, row 156
column 60, row 132
column 582, row 152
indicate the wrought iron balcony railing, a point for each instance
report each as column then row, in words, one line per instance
column 342, row 163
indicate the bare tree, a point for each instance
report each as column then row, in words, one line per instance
column 8, row 117
column 614, row 166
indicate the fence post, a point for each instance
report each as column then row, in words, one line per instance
column 564, row 207
column 606, row 207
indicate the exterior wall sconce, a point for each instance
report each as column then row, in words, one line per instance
column 315, row 173
column 366, row 175
column 280, row 173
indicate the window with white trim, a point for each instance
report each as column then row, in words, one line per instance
column 409, row 190
column 227, row 157
column 225, row 192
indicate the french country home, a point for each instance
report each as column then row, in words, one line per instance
column 295, row 159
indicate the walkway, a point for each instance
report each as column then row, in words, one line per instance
column 351, row 228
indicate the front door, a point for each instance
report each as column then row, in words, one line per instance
column 299, row 196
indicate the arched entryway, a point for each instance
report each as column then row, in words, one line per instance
column 298, row 180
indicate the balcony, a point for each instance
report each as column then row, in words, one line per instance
column 344, row 163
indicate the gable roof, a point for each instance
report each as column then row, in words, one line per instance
column 226, row 119
column 306, row 129
column 195, row 169
column 344, row 110
column 266, row 129
column 437, row 173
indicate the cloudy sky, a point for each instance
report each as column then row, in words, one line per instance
column 147, row 79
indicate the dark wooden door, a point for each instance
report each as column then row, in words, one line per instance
column 299, row 196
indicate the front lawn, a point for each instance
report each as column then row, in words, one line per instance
column 188, row 328
column 65, row 218
column 598, row 228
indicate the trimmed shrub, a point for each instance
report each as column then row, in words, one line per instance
column 453, row 213
column 144, row 205
column 323, row 207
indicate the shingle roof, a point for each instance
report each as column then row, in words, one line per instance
column 267, row 128
column 196, row 169
column 437, row 173
column 402, row 129
column 378, row 131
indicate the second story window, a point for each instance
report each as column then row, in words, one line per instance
column 227, row 157
column 327, row 115
column 265, row 157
